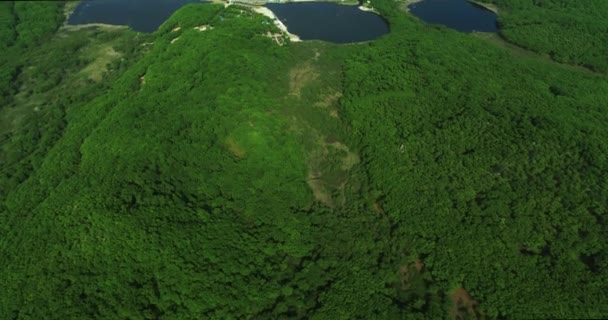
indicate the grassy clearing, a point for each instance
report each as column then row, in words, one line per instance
column 102, row 56
column 311, row 107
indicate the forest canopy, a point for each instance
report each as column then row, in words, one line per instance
column 572, row 32
column 216, row 174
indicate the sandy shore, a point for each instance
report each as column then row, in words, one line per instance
column 366, row 9
column 487, row 6
column 267, row 12
column 74, row 27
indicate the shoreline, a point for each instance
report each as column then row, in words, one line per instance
column 488, row 6
column 344, row 3
column 366, row 9
column 75, row 27
column 408, row 3
column 268, row 13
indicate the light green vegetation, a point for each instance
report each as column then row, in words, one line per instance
column 427, row 174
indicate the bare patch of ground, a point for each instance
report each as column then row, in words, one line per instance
column 350, row 159
column 318, row 189
column 324, row 178
column 300, row 76
column 277, row 37
column 234, row 148
column 317, row 55
column 377, row 208
column 408, row 272
column 464, row 306
column 328, row 100
column 203, row 28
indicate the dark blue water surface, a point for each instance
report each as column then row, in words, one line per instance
column 330, row 22
column 140, row 15
column 461, row 15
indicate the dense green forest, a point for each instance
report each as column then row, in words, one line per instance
column 568, row 31
column 211, row 173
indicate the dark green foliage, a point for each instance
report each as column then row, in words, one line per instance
column 569, row 31
column 217, row 175
column 37, row 20
column 23, row 24
column 498, row 181
column 7, row 24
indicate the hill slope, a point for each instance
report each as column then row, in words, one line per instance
column 212, row 173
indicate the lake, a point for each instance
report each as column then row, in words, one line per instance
column 460, row 15
column 330, row 22
column 140, row 15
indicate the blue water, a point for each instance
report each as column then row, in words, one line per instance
column 461, row 15
column 140, row 15
column 330, row 22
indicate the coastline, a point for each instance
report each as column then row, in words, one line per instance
column 75, row 27
column 68, row 10
column 344, row 2
column 366, row 9
column 487, row 6
column 408, row 3
column 268, row 13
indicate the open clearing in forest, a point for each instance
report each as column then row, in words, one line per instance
column 464, row 305
column 300, row 76
column 104, row 55
column 311, row 105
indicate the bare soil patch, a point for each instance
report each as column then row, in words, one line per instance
column 300, row 76
column 234, row 148
column 464, row 306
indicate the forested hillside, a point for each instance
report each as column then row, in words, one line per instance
column 568, row 31
column 207, row 172
column 22, row 26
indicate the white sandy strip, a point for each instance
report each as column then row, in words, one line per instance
column 74, row 27
column 267, row 12
column 362, row 8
